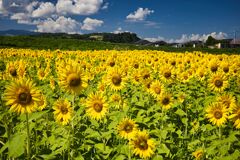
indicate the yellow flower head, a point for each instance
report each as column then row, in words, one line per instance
column 217, row 113
column 218, row 82
column 96, row 106
column 198, row 154
column 127, row 128
column 142, row 145
column 62, row 111
column 72, row 79
column 235, row 116
column 22, row 96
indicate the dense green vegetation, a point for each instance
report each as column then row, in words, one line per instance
column 63, row 43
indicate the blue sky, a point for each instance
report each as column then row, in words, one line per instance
column 170, row 20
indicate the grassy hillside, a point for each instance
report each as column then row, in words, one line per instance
column 53, row 43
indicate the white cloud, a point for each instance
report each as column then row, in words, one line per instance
column 139, row 15
column 159, row 38
column 90, row 24
column 44, row 10
column 105, row 6
column 79, row 7
column 22, row 18
column 60, row 25
column 119, row 30
column 2, row 10
column 193, row 37
column 14, row 5
column 30, row 7
column 198, row 37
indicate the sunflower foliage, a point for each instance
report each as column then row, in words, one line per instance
column 119, row 105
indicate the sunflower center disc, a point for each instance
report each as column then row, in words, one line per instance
column 97, row 107
column 24, row 98
column 173, row 63
column 157, row 90
column 167, row 74
column 116, row 80
column 128, row 128
column 226, row 69
column 136, row 66
column 214, row 68
column 146, row 76
column 64, row 110
column 143, row 144
column 13, row 72
column 218, row 114
column 75, row 82
column 218, row 83
column 165, row 101
column 112, row 64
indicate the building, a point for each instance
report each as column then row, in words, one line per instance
column 235, row 43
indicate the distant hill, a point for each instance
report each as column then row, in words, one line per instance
column 125, row 37
column 17, row 33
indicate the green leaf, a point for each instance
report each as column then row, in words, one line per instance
column 4, row 147
column 120, row 157
column 180, row 112
column 48, row 157
column 163, row 149
column 36, row 115
column 80, row 157
column 164, row 134
column 17, row 145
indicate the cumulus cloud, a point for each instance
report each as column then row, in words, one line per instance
column 2, row 10
column 45, row 9
column 60, row 25
column 22, row 18
column 79, row 7
column 90, row 24
column 193, row 37
column 119, row 30
column 105, row 6
column 197, row 37
column 139, row 15
column 159, row 38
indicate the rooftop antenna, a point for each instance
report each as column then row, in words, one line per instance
column 235, row 34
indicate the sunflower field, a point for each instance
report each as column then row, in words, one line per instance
column 118, row 105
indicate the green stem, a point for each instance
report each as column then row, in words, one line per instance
column 72, row 127
column 28, row 139
column 129, row 153
column 219, row 132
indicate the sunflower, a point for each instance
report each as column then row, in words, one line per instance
column 228, row 100
column 42, row 74
column 62, row 111
column 117, row 101
column 218, row 82
column 217, row 113
column 198, row 154
column 22, row 96
column 127, row 128
column 213, row 65
column 72, row 79
column 142, row 145
column 96, row 106
column 12, row 70
column 42, row 103
column 156, row 88
column 115, row 79
column 167, row 73
column 145, row 74
column 135, row 77
column 166, row 100
column 235, row 116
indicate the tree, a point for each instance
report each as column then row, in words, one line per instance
column 211, row 41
